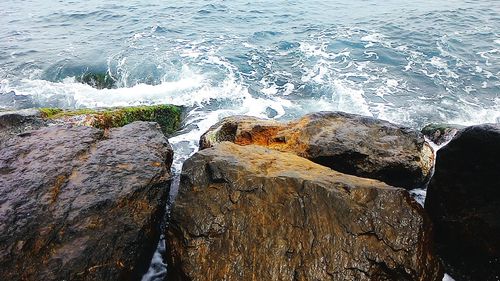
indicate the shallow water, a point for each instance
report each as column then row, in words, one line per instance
column 409, row 62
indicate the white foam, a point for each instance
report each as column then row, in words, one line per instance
column 392, row 83
column 370, row 44
column 289, row 88
column 349, row 99
column 318, row 74
column 159, row 268
column 486, row 55
column 190, row 90
column 447, row 278
column 438, row 62
column 471, row 114
column 419, row 195
column 374, row 38
column 312, row 51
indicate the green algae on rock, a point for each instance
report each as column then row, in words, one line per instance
column 48, row 112
column 441, row 133
column 97, row 80
column 168, row 116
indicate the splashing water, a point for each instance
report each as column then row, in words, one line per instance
column 409, row 62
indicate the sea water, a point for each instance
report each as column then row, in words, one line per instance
column 409, row 62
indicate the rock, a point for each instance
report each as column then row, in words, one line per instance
column 441, row 133
column 77, row 203
column 97, row 80
column 167, row 116
column 347, row 143
column 463, row 200
column 20, row 121
column 250, row 213
column 17, row 122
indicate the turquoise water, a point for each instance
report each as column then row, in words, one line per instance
column 409, row 62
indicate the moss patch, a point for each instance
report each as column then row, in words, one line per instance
column 49, row 112
column 168, row 116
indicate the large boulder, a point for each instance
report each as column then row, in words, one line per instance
column 463, row 200
column 348, row 143
column 78, row 203
column 251, row 213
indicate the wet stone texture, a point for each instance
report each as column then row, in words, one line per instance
column 13, row 123
column 347, row 143
column 252, row 213
column 78, row 203
column 463, row 201
column 441, row 133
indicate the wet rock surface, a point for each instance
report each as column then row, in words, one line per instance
column 13, row 123
column 80, row 204
column 167, row 116
column 441, row 133
column 348, row 143
column 251, row 213
column 17, row 122
column 463, row 200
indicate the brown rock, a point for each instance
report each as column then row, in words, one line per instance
column 80, row 204
column 348, row 143
column 463, row 200
column 250, row 213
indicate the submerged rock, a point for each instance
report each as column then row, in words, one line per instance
column 441, row 133
column 77, row 203
column 348, row 143
column 97, row 80
column 463, row 200
column 250, row 213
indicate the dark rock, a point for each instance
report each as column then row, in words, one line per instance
column 17, row 122
column 80, row 204
column 97, row 80
column 250, row 213
column 348, row 143
column 463, row 200
column 441, row 133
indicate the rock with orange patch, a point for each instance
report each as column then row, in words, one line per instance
column 78, row 204
column 251, row 213
column 348, row 143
